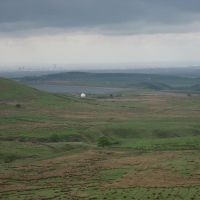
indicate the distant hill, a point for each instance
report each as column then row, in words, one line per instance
column 178, row 71
column 126, row 80
column 196, row 87
column 192, row 71
column 22, row 73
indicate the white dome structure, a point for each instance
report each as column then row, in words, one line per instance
column 83, row 95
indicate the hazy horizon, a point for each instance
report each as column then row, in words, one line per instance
column 94, row 67
column 93, row 33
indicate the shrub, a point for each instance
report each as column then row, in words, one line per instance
column 7, row 158
column 103, row 141
column 54, row 138
column 18, row 105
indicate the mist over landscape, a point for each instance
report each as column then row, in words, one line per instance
column 100, row 99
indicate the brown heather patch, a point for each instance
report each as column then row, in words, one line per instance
column 72, row 174
column 153, row 178
column 75, row 170
column 147, row 160
column 18, row 188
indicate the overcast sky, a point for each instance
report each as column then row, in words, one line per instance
column 96, row 32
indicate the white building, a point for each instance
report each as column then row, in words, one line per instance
column 83, row 95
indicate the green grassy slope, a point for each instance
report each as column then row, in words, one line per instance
column 14, row 90
column 38, row 120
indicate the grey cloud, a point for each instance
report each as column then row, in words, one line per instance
column 108, row 16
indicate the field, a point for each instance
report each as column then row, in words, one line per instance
column 50, row 145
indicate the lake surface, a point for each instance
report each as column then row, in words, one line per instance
column 66, row 89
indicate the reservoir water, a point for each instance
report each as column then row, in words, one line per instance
column 66, row 89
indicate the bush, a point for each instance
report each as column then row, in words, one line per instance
column 18, row 105
column 103, row 141
column 54, row 138
column 8, row 158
